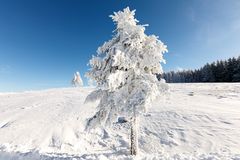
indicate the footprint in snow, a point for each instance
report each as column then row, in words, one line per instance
column 225, row 122
column 5, row 124
column 191, row 93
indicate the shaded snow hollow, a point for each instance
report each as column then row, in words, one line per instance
column 194, row 121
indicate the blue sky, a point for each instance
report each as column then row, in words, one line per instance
column 43, row 42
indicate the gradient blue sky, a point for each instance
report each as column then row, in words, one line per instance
column 43, row 42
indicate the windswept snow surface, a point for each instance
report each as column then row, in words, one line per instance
column 194, row 121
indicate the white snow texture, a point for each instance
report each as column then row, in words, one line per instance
column 194, row 121
column 125, row 71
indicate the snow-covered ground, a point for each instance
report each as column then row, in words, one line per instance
column 194, row 121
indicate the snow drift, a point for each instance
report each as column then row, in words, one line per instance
column 194, row 121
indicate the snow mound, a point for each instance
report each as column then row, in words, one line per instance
column 194, row 121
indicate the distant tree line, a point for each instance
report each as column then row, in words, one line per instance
column 220, row 71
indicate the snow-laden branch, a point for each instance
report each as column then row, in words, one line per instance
column 125, row 70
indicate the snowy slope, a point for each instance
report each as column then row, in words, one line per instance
column 194, row 121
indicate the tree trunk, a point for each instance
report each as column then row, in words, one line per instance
column 133, row 136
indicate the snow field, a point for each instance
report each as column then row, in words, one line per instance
column 193, row 121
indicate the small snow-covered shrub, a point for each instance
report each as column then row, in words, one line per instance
column 77, row 80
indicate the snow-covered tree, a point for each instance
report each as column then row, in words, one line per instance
column 77, row 80
column 91, row 83
column 125, row 71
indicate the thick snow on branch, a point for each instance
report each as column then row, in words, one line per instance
column 125, row 69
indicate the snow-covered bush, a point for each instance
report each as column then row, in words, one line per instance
column 125, row 71
column 77, row 80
